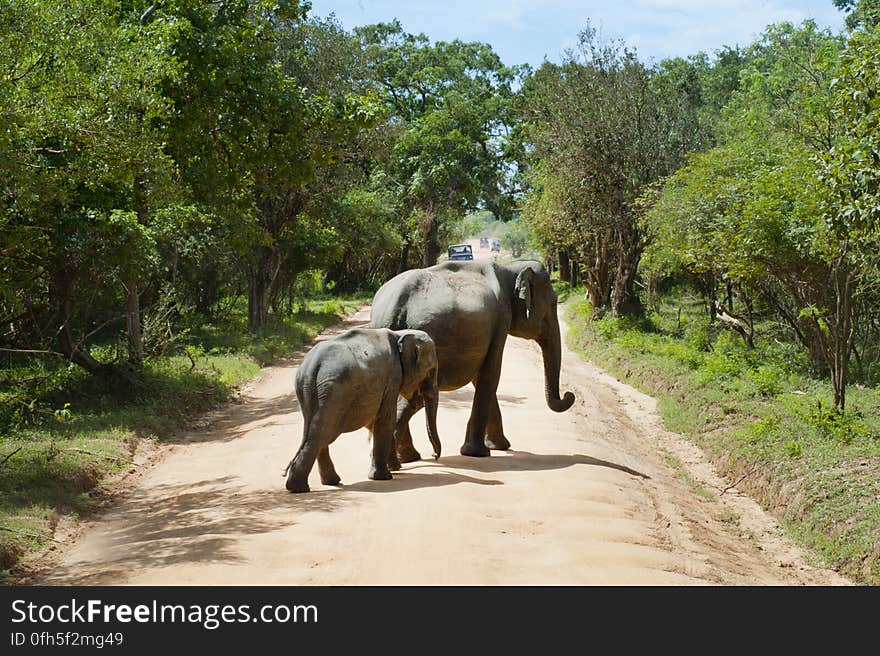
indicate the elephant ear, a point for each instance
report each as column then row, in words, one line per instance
column 409, row 353
column 523, row 288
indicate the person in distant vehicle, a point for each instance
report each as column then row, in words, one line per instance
column 460, row 252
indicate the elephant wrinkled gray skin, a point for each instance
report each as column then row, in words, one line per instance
column 354, row 381
column 469, row 309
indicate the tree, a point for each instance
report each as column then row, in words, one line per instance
column 446, row 105
column 603, row 126
column 785, row 204
column 256, row 120
column 850, row 171
column 84, row 169
column 859, row 13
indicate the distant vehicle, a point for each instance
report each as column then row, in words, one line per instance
column 484, row 242
column 460, row 252
column 496, row 245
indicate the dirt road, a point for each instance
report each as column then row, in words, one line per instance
column 583, row 497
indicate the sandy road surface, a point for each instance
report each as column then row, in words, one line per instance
column 583, row 497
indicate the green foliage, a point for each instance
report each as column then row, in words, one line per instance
column 766, row 379
column 231, row 334
column 602, row 127
column 851, row 168
column 447, row 104
column 784, row 207
column 205, row 150
column 763, row 419
column 859, row 13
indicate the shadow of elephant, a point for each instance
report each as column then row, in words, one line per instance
column 525, row 461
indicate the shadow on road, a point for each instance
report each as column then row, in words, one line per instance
column 524, row 461
column 237, row 419
column 205, row 522
column 199, row 522
column 463, row 397
column 403, row 481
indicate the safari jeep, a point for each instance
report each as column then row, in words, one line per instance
column 460, row 252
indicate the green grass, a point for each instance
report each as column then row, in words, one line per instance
column 66, row 432
column 681, row 471
column 761, row 414
column 230, row 335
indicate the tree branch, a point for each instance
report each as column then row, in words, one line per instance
column 150, row 11
column 7, row 350
column 3, row 462
column 30, row 534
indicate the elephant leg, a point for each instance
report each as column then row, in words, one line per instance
column 485, row 384
column 379, row 470
column 315, row 438
column 393, row 459
column 383, row 439
column 325, row 466
column 495, row 430
column 406, row 452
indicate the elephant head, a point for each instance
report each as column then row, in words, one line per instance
column 534, row 317
column 418, row 359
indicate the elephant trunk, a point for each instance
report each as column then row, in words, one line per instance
column 431, row 396
column 551, row 349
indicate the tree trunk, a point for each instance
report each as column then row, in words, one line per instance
column 258, row 311
column 598, row 295
column 133, row 324
column 842, row 331
column 258, row 291
column 740, row 325
column 207, row 291
column 596, row 273
column 132, row 292
column 564, row 265
column 403, row 265
column 713, row 298
column 624, row 299
column 62, row 291
column 430, row 247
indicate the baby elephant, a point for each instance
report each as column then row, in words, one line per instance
column 353, row 381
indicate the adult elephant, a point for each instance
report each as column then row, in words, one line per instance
column 469, row 308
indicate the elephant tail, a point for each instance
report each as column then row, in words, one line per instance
column 287, row 469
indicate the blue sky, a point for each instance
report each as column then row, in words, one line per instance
column 528, row 31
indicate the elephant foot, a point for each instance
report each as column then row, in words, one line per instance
column 379, row 474
column 393, row 461
column 297, row 486
column 499, row 443
column 408, row 453
column 478, row 450
column 331, row 480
